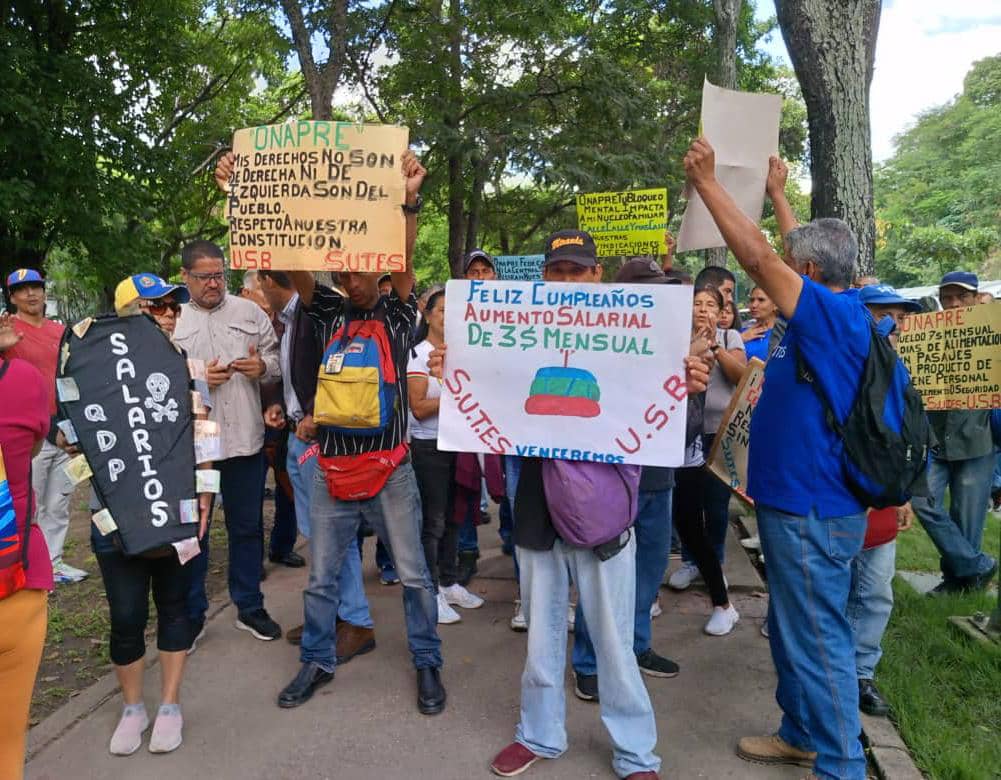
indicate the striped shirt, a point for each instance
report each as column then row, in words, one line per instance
column 328, row 310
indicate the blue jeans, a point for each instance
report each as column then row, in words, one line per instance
column 468, row 538
column 653, row 545
column 959, row 532
column 512, row 470
column 395, row 515
column 996, row 481
column 870, row 603
column 353, row 607
column 809, row 566
column 608, row 594
column 243, row 498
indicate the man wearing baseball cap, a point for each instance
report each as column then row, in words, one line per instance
column 477, row 264
column 144, row 289
column 962, row 462
column 39, row 345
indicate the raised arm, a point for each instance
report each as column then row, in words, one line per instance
column 775, row 188
column 414, row 173
column 752, row 250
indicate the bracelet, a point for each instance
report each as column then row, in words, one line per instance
column 416, row 208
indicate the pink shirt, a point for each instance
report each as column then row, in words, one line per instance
column 24, row 419
column 40, row 347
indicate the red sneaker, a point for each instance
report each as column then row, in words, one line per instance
column 513, row 760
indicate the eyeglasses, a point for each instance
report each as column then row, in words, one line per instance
column 159, row 308
column 217, row 278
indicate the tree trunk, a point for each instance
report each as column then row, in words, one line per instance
column 832, row 44
column 727, row 15
column 456, row 185
column 321, row 81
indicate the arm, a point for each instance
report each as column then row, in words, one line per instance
column 305, row 285
column 775, row 187
column 755, row 255
column 414, row 173
column 732, row 362
column 421, row 406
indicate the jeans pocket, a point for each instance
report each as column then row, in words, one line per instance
column 845, row 536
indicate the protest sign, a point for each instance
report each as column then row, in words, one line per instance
column 317, row 196
column 519, row 268
column 954, row 356
column 132, row 419
column 625, row 223
column 742, row 150
column 728, row 457
column 568, row 371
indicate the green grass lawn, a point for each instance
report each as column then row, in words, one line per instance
column 916, row 552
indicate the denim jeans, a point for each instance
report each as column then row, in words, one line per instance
column 243, row 498
column 809, row 567
column 354, row 603
column 958, row 532
column 512, row 470
column 653, row 545
column 870, row 603
column 996, row 481
column 395, row 515
column 469, row 540
column 608, row 594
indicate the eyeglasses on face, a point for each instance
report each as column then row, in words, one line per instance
column 217, row 278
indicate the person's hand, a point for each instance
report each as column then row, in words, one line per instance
column 905, row 517
column 274, row 417
column 436, row 362
column 8, row 335
column 700, row 163
column 755, row 331
column 251, row 366
column 778, row 172
column 671, row 246
column 306, row 429
column 204, row 511
column 696, row 374
column 216, row 374
column 65, row 446
column 223, row 170
column 414, row 173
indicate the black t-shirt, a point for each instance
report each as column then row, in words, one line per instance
column 533, row 528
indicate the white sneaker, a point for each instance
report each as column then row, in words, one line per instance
column 655, row 610
column 571, row 618
column 751, row 542
column 128, row 736
column 446, row 614
column 518, row 622
column 684, row 576
column 460, row 597
column 764, row 629
column 65, row 574
column 167, row 729
column 722, row 621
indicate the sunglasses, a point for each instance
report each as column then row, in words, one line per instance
column 160, row 308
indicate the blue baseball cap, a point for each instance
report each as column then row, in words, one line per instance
column 24, row 276
column 964, row 279
column 147, row 287
column 884, row 295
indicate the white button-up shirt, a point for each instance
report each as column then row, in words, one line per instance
column 293, row 409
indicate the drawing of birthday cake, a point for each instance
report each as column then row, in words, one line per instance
column 563, row 391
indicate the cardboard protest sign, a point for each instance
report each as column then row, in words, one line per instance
column 743, row 128
column 130, row 409
column 954, row 356
column 317, row 196
column 519, row 268
column 625, row 223
column 568, row 371
column 728, row 458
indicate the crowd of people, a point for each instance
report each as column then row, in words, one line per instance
column 272, row 357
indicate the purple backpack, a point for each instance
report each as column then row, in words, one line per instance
column 590, row 503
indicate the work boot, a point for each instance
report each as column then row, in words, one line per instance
column 870, row 700
column 353, row 640
column 773, row 750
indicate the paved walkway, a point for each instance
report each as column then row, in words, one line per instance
column 365, row 724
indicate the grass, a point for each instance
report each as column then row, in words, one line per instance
column 916, row 551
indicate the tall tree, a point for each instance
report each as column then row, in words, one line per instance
column 832, row 44
column 328, row 22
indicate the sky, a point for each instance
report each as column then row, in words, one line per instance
column 923, row 52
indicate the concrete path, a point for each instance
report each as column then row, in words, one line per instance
column 365, row 724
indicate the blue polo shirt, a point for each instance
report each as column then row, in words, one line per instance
column 794, row 458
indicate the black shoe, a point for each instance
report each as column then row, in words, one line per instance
column 467, row 566
column 291, row 559
column 980, row 581
column 870, row 700
column 585, row 686
column 430, row 692
column 259, row 623
column 484, row 518
column 948, row 587
column 656, row 665
column 301, row 689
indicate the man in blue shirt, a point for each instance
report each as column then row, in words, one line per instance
column 811, row 526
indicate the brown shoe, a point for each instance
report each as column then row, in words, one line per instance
column 294, row 635
column 773, row 750
column 353, row 640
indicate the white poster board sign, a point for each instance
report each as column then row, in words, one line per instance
column 568, row 371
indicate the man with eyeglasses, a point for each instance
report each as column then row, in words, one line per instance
column 236, row 340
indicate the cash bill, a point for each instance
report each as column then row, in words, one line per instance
column 104, row 521
column 78, row 469
column 66, row 389
column 186, row 549
column 206, row 481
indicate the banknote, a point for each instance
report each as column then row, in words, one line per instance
column 68, row 431
column 81, row 328
column 189, row 510
column 104, row 521
column 206, row 481
column 66, row 389
column 187, row 549
column 78, row 469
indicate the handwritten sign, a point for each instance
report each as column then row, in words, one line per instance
column 568, row 371
column 317, row 196
column 728, row 458
column 519, row 268
column 954, row 356
column 625, row 223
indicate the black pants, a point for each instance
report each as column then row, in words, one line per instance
column 435, row 471
column 690, row 522
column 127, row 583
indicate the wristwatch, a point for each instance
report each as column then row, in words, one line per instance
column 714, row 348
column 416, row 208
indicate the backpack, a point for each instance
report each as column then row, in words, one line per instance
column 886, row 435
column 590, row 503
column 13, row 545
column 356, row 389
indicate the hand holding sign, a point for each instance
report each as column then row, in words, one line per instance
column 414, row 174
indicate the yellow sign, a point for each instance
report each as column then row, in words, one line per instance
column 954, row 356
column 318, row 196
column 727, row 460
column 625, row 223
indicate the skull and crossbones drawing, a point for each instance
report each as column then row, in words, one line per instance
column 159, row 385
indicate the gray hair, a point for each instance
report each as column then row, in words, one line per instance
column 830, row 244
column 249, row 277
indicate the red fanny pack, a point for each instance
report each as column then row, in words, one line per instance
column 357, row 477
